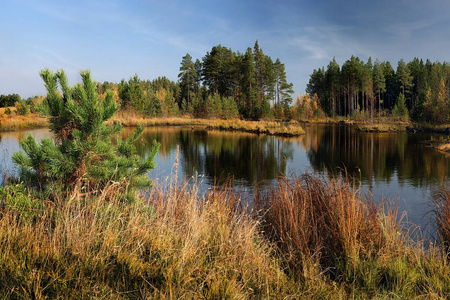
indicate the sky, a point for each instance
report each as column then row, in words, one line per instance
column 116, row 39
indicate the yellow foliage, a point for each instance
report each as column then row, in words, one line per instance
column 161, row 94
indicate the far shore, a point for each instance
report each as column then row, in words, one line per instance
column 14, row 122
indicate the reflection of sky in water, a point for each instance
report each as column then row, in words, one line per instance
column 252, row 158
column 9, row 144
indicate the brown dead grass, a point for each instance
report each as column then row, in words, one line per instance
column 18, row 122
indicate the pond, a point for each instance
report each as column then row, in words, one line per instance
column 393, row 165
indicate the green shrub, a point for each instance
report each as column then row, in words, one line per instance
column 22, row 108
column 81, row 157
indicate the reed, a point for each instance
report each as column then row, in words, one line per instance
column 131, row 118
column 441, row 212
column 320, row 222
column 18, row 122
column 259, row 127
column 179, row 244
column 308, row 237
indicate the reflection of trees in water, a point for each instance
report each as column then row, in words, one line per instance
column 376, row 156
column 246, row 157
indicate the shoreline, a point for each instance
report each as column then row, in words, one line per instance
column 277, row 128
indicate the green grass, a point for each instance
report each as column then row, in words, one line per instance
column 308, row 237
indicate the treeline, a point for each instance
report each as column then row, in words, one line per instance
column 415, row 89
column 224, row 84
column 9, row 100
column 22, row 106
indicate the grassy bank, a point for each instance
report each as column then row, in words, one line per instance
column 14, row 122
column 260, row 127
column 307, row 238
column 131, row 119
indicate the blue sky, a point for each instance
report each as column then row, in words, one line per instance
column 117, row 39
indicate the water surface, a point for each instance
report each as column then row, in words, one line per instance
column 394, row 165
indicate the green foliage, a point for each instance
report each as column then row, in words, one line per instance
column 16, row 197
column 187, row 76
column 400, row 109
column 9, row 100
column 214, row 106
column 229, row 108
column 424, row 87
column 22, row 107
column 32, row 103
column 8, row 111
column 82, row 154
column 132, row 94
column 154, row 109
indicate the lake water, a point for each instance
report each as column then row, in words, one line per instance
column 393, row 165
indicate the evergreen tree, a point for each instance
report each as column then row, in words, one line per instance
column 404, row 77
column 400, row 109
column 283, row 89
column 132, row 94
column 332, row 82
column 379, row 81
column 188, row 77
column 81, row 154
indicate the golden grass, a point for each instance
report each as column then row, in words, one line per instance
column 444, row 147
column 259, row 127
column 381, row 127
column 307, row 238
column 327, row 220
column 182, row 245
column 130, row 118
column 18, row 122
column 441, row 205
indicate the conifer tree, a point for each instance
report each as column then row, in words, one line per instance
column 81, row 155
column 188, row 76
column 400, row 109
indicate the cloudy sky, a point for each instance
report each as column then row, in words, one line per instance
column 116, row 39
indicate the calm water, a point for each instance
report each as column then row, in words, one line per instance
column 393, row 165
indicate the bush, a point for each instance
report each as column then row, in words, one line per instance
column 82, row 156
column 22, row 108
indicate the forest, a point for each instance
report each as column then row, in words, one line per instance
column 415, row 89
column 223, row 84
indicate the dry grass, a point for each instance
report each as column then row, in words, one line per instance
column 317, row 221
column 444, row 147
column 441, row 211
column 17, row 122
column 182, row 245
column 263, row 127
column 131, row 118
column 311, row 238
column 381, row 127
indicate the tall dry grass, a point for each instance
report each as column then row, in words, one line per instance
column 263, row 127
column 19, row 122
column 132, row 118
column 317, row 221
column 441, row 212
column 309, row 237
column 180, row 244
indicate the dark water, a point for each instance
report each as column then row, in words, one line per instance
column 394, row 165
